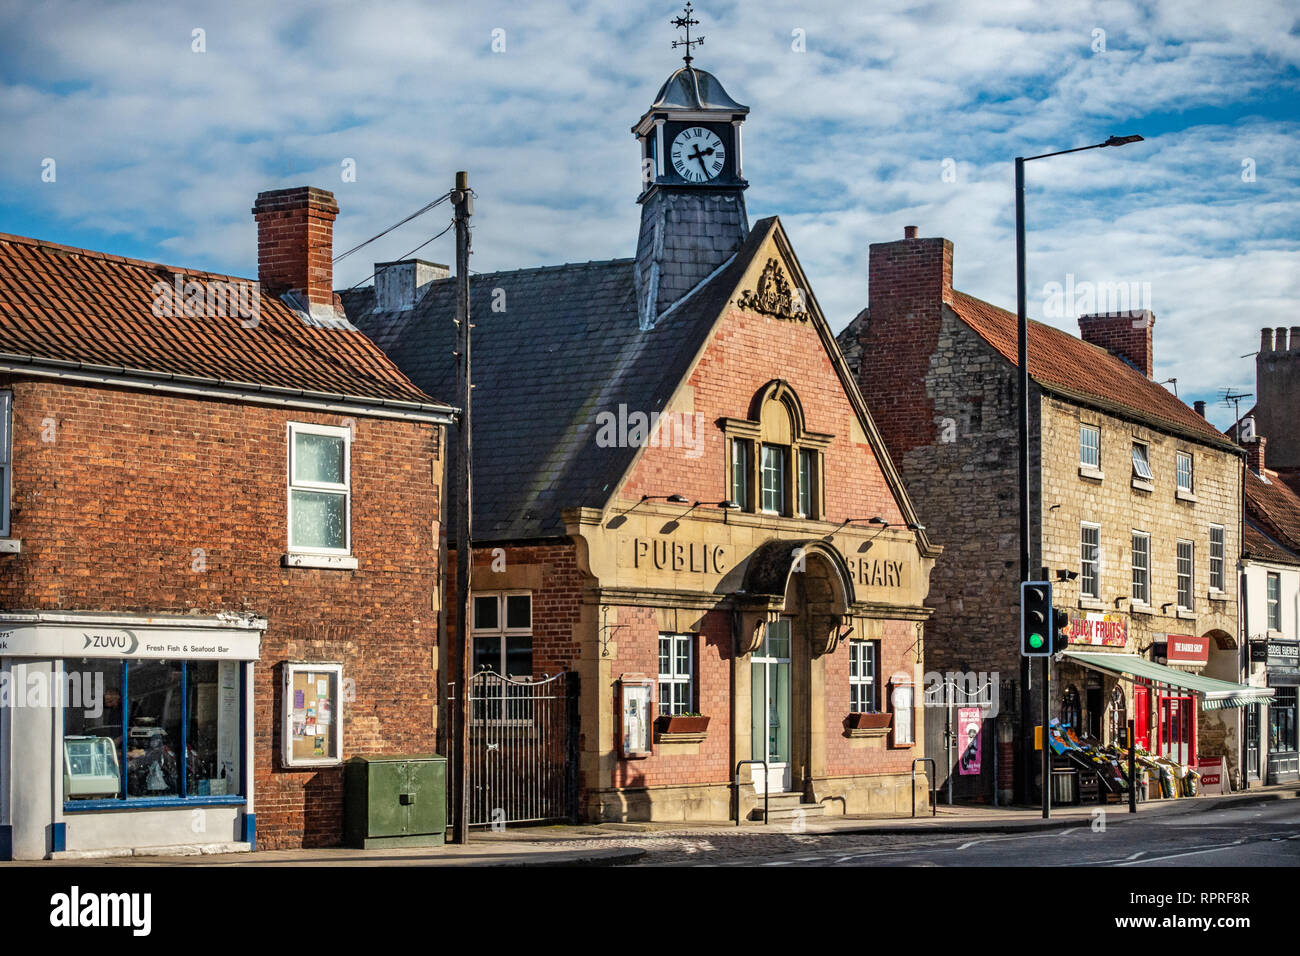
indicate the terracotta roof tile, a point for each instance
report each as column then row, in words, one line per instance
column 1274, row 507
column 76, row 305
column 1062, row 363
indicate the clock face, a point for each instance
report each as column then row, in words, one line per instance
column 698, row 154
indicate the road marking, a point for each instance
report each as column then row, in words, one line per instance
column 1175, row 856
column 1136, row 855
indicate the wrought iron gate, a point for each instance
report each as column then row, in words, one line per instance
column 523, row 749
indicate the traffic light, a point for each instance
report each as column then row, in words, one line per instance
column 1035, row 618
column 1060, row 630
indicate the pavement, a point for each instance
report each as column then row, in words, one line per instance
column 615, row 844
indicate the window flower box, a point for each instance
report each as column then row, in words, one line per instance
column 879, row 722
column 681, row 727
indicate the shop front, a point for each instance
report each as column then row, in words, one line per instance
column 125, row 731
column 1170, row 706
column 1281, row 660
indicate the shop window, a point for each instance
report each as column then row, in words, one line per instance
column 864, row 665
column 1090, row 446
column 1216, row 557
column 776, row 466
column 1090, row 560
column 1274, row 601
column 676, row 674
column 1141, row 568
column 742, row 463
column 320, row 489
column 1141, row 461
column 6, row 450
column 152, row 730
column 1184, row 470
column 1282, row 721
column 1071, row 711
column 503, row 634
column 1186, row 551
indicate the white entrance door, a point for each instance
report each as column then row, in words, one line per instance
column 770, row 709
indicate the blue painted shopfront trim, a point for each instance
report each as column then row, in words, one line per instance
column 153, row 803
column 6, row 842
column 249, row 831
column 58, row 837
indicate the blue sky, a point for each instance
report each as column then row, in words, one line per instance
column 159, row 150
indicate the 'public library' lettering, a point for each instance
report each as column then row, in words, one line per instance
column 680, row 556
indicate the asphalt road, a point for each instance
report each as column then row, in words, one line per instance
column 1259, row 834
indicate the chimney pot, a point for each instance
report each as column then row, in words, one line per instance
column 1266, row 340
column 909, row 232
column 1200, row 408
column 1279, row 339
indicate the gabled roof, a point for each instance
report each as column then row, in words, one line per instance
column 72, row 310
column 1260, row 547
column 1274, row 509
column 565, row 347
column 562, row 345
column 1078, row 370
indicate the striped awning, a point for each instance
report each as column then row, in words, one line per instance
column 1214, row 694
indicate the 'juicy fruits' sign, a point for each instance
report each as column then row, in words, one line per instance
column 1101, row 630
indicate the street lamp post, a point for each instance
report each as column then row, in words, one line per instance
column 1022, row 423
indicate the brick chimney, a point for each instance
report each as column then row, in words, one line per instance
column 1255, row 454
column 909, row 273
column 295, row 244
column 1126, row 335
column 910, row 282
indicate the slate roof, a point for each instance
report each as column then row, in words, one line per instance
column 72, row 307
column 566, row 346
column 1274, row 510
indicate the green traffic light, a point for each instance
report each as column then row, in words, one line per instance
column 1035, row 641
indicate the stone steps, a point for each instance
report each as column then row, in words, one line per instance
column 786, row 806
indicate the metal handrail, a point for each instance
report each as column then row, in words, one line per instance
column 934, row 807
column 766, row 788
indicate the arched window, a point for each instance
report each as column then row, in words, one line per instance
column 1071, row 715
column 774, row 464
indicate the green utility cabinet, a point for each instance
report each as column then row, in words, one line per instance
column 395, row 801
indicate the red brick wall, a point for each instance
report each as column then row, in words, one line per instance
column 111, row 510
column 746, row 353
column 897, row 656
column 638, row 652
column 909, row 281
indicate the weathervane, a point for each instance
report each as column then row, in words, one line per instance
column 686, row 22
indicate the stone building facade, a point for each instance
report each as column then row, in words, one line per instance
column 938, row 370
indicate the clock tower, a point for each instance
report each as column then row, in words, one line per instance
column 693, row 214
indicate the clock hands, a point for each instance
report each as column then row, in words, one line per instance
column 698, row 155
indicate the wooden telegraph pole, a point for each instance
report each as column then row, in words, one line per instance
column 464, row 203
